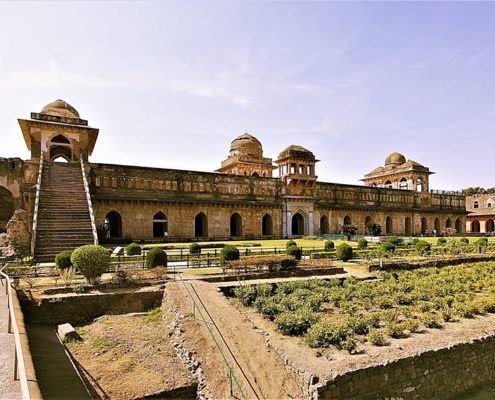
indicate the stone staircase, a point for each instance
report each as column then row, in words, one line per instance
column 64, row 222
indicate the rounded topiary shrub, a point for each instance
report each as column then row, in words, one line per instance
column 464, row 240
column 388, row 247
column 422, row 247
column 395, row 241
column 294, row 251
column 62, row 260
column 290, row 243
column 329, row 245
column 194, row 248
column 415, row 240
column 344, row 252
column 133, row 249
column 156, row 258
column 91, row 261
column 441, row 241
column 229, row 253
column 362, row 243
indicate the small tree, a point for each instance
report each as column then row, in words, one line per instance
column 373, row 228
column 388, row 247
column 133, row 249
column 229, row 253
column 91, row 261
column 348, row 230
column 344, row 252
column 464, row 240
column 290, row 243
column 294, row 251
column 156, row 258
column 194, row 248
column 441, row 241
column 362, row 243
column 422, row 247
column 62, row 260
column 329, row 245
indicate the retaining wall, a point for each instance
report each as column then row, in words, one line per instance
column 437, row 374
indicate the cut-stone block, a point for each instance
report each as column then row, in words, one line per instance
column 67, row 332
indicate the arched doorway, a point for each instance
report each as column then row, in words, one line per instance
column 297, row 224
column 60, row 148
column 347, row 220
column 113, row 225
column 403, row 184
column 201, row 225
column 160, row 225
column 448, row 223
column 475, row 226
column 489, row 226
column 407, row 226
column 6, row 207
column 388, row 184
column 389, row 228
column 235, row 225
column 437, row 226
column 267, row 225
column 424, row 226
column 419, row 185
column 458, row 225
column 255, row 174
column 324, row 225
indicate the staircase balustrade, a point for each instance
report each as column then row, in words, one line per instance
column 90, row 205
column 36, row 207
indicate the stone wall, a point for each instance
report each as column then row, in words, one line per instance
column 436, row 374
column 79, row 309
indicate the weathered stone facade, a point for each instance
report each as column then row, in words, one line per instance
column 481, row 217
column 243, row 201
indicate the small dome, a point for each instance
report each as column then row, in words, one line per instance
column 296, row 151
column 395, row 159
column 246, row 145
column 60, row 108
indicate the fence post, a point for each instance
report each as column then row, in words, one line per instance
column 231, row 386
column 187, row 260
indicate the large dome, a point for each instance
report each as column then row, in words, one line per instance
column 246, row 145
column 395, row 159
column 60, row 108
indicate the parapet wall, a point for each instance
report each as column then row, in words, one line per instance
column 437, row 374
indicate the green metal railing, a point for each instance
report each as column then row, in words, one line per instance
column 232, row 377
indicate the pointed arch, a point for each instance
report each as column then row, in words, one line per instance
column 437, row 226
column 403, row 184
column 235, row 225
column 458, row 225
column 324, row 225
column 448, row 223
column 113, row 224
column 419, row 185
column 200, row 225
column 407, row 226
column 6, row 207
column 347, row 220
column 475, row 226
column 160, row 225
column 267, row 225
column 489, row 226
column 424, row 226
column 298, row 224
column 389, row 226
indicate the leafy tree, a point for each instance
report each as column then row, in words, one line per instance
column 348, row 230
column 229, row 253
column 373, row 228
column 329, row 245
column 156, row 258
column 294, row 251
column 91, row 261
column 133, row 249
column 344, row 252
column 62, row 260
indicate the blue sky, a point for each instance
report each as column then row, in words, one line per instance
column 170, row 84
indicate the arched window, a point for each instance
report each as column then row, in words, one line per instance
column 403, row 184
column 419, row 185
column 373, row 184
column 407, row 226
column 297, row 224
column 267, row 225
column 60, row 149
column 347, row 220
column 476, row 204
column 458, row 225
column 489, row 205
column 160, row 225
column 113, row 225
column 200, row 225
column 437, row 226
column 424, row 226
column 389, row 228
column 489, row 226
column 6, row 207
column 324, row 225
column 388, row 184
column 235, row 225
column 475, row 226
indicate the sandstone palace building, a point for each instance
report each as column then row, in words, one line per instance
column 248, row 196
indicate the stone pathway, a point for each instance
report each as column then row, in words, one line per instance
column 9, row 389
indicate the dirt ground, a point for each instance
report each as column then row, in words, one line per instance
column 261, row 373
column 130, row 356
